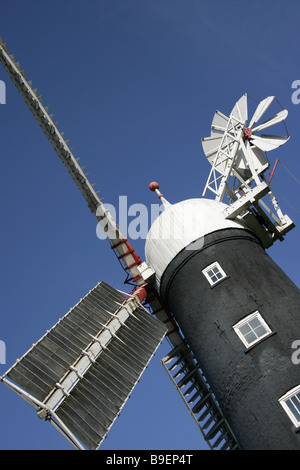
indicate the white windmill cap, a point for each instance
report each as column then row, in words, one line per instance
column 181, row 224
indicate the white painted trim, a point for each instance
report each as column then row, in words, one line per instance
column 283, row 401
column 244, row 321
column 211, row 266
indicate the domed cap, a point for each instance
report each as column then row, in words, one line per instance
column 181, row 224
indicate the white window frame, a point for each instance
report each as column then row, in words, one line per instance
column 283, row 401
column 206, row 270
column 245, row 321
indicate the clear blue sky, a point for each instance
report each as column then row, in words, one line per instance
column 134, row 84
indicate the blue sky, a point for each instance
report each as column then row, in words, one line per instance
column 134, row 84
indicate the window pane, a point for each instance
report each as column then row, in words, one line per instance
column 294, row 409
column 260, row 331
column 245, row 329
column 216, row 272
column 296, row 402
column 254, row 322
column 250, row 337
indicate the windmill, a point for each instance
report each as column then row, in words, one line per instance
column 80, row 374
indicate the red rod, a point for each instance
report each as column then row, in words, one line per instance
column 273, row 170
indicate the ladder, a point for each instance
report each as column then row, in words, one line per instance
column 189, row 381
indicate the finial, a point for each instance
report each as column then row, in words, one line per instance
column 155, row 188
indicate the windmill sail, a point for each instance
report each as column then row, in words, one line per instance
column 80, row 374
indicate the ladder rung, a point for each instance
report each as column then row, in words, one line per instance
column 193, row 398
column 174, row 352
column 219, row 440
column 200, row 403
column 136, row 263
column 209, row 421
column 228, row 445
column 179, row 360
column 124, row 240
column 189, row 390
column 215, row 428
column 129, row 252
column 181, row 370
column 185, row 379
column 205, row 413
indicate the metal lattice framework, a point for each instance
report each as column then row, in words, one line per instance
column 238, row 162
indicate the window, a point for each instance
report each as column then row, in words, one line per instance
column 214, row 273
column 291, row 404
column 251, row 329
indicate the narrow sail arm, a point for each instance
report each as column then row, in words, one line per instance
column 34, row 102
